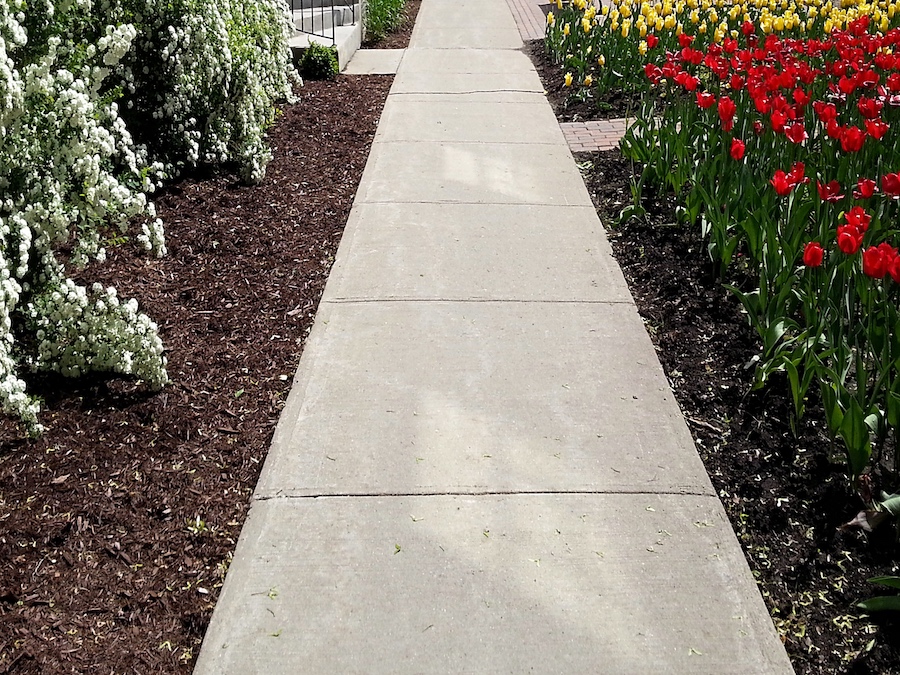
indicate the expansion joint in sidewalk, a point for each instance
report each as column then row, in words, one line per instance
column 499, row 301
column 489, row 493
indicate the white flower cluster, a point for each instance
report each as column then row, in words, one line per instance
column 78, row 332
column 99, row 101
column 201, row 83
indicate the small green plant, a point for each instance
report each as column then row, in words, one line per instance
column 382, row 17
column 319, row 62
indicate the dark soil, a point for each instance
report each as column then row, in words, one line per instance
column 398, row 39
column 120, row 521
column 786, row 494
column 567, row 107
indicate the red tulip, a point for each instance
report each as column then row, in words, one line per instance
column 869, row 108
column 852, row 139
column 890, row 184
column 848, row 239
column 876, row 129
column 830, row 192
column 727, row 109
column 858, row 218
column 865, row 188
column 877, row 261
column 705, row 100
column 895, row 269
column 737, row 149
column 796, row 133
column 652, row 41
column 813, row 254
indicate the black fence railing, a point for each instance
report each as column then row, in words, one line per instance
column 320, row 17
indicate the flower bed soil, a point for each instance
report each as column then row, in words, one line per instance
column 611, row 106
column 119, row 523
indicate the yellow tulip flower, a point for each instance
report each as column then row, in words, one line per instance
column 568, row 79
column 588, row 81
column 566, row 30
column 601, row 61
column 550, row 19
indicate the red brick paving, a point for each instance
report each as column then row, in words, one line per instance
column 529, row 17
column 592, row 136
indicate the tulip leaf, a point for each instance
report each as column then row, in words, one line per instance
column 892, row 582
column 882, row 603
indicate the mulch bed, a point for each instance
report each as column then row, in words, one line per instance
column 120, row 521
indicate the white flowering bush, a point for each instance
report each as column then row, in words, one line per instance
column 199, row 85
column 100, row 102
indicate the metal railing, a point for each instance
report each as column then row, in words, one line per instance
column 320, row 17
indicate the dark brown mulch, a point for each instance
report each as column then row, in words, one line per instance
column 119, row 523
column 567, row 107
column 399, row 38
column 786, row 495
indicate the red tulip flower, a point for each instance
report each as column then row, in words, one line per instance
column 796, row 133
column 705, row 100
column 869, row 108
column 876, row 129
column 858, row 218
column 737, row 149
column 852, row 139
column 830, row 192
column 849, row 239
column 652, row 41
column 877, row 260
column 890, row 184
column 727, row 109
column 813, row 254
column 865, row 188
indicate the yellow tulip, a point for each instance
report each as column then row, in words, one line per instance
column 568, row 79
column 642, row 48
column 586, row 25
column 566, row 30
column 588, row 81
column 779, row 24
column 601, row 61
column 550, row 19
column 559, row 4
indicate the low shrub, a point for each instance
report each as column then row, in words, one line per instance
column 319, row 62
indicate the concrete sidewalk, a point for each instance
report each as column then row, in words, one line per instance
column 481, row 467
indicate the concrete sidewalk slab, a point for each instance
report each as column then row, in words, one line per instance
column 465, row 14
column 493, row 87
column 500, row 584
column 475, row 252
column 473, row 173
column 455, row 118
column 467, row 38
column 437, row 397
column 441, row 62
column 375, row 62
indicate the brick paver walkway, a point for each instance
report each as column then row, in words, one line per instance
column 592, row 136
column 529, row 17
